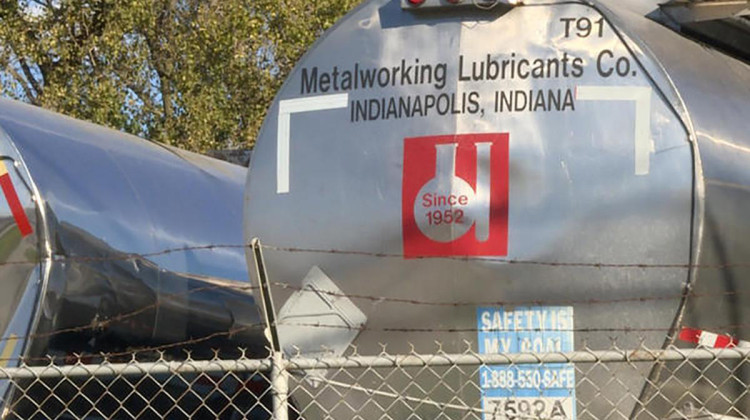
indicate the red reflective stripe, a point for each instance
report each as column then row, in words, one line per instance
column 723, row 341
column 690, row 335
column 15, row 205
column 707, row 339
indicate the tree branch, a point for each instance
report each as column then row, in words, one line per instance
column 160, row 59
column 29, row 94
column 30, row 76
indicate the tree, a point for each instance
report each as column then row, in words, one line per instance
column 199, row 74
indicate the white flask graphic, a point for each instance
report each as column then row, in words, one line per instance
column 446, row 206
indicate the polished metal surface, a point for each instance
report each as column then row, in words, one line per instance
column 120, row 226
column 644, row 164
column 714, row 90
column 146, row 197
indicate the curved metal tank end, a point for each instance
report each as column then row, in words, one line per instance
column 24, row 252
column 142, row 238
column 714, row 91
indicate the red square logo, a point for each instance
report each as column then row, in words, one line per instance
column 454, row 198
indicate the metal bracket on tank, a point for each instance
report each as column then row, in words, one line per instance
column 445, row 5
column 684, row 11
column 269, row 312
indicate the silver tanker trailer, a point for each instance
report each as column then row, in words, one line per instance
column 106, row 246
column 531, row 177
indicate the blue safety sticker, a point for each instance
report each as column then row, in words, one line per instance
column 514, row 392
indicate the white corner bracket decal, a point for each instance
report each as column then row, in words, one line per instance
column 642, row 97
column 286, row 109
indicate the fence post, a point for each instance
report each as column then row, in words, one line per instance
column 279, row 386
column 279, row 373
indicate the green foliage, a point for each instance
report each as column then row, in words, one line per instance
column 199, row 74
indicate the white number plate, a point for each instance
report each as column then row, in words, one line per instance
column 522, row 408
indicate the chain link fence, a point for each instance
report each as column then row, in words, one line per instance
column 614, row 383
column 605, row 371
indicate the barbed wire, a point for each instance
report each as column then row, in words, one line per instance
column 102, row 324
column 120, row 317
column 247, row 287
column 364, row 328
column 146, row 349
column 95, row 325
column 509, row 261
column 134, row 352
column 589, row 301
column 126, row 256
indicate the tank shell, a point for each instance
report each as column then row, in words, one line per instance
column 443, row 168
column 115, row 225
